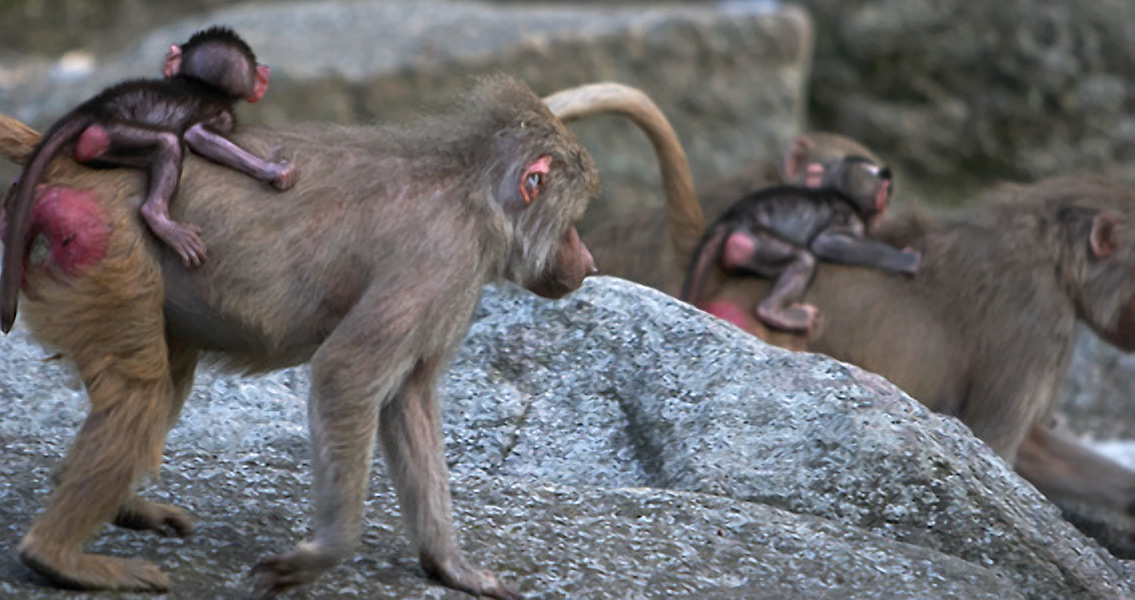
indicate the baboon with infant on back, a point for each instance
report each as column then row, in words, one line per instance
column 370, row 269
column 987, row 329
column 984, row 332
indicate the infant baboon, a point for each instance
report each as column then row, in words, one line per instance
column 779, row 232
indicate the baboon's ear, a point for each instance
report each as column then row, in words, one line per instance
column 172, row 65
column 534, row 178
column 796, row 156
column 1102, row 238
column 259, row 84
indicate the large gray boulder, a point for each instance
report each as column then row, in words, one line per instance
column 730, row 77
column 614, row 444
column 962, row 93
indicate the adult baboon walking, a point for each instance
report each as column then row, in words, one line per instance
column 370, row 269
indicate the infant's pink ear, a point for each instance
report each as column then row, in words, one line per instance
column 172, row 65
column 814, row 175
column 260, row 87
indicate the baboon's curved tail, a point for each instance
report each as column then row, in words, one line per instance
column 17, row 140
column 686, row 224
column 14, row 136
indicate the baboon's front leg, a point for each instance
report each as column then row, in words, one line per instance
column 410, row 430
column 355, row 370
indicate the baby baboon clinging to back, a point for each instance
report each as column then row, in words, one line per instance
column 780, row 232
column 143, row 124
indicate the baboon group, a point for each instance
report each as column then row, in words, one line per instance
column 366, row 253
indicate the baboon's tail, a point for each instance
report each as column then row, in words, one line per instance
column 686, row 223
column 17, row 140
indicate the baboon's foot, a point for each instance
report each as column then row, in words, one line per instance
column 798, row 317
column 301, row 566
column 457, row 573
column 284, row 175
column 75, row 570
column 163, row 519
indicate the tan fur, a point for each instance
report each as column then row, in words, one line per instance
column 17, row 140
column 126, row 373
column 370, row 268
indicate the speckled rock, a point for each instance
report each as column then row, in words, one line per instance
column 614, row 444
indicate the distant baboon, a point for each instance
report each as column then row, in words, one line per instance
column 780, row 233
column 654, row 246
column 986, row 330
column 370, row 269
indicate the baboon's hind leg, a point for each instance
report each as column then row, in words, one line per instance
column 166, row 519
column 104, row 312
column 114, row 446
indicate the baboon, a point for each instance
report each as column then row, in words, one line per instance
column 142, row 124
column 780, row 233
column 986, row 330
column 653, row 247
column 973, row 335
column 370, row 270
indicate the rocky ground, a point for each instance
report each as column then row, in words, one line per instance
column 615, row 444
